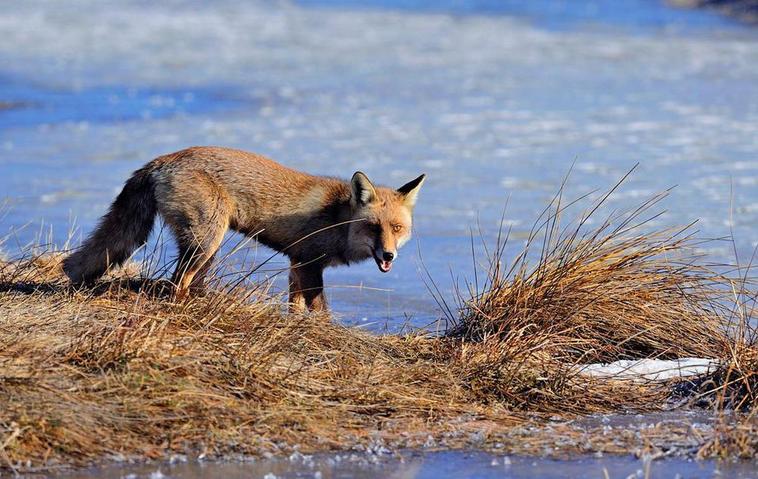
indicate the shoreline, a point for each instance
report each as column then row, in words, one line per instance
column 453, row 463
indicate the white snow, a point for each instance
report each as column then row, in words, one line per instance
column 651, row 369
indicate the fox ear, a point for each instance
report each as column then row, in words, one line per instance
column 410, row 190
column 363, row 191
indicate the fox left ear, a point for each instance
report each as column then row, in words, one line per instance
column 363, row 190
column 410, row 190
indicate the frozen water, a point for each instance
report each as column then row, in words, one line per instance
column 491, row 104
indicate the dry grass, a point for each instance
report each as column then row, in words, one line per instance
column 618, row 290
column 90, row 375
column 732, row 390
column 122, row 371
column 615, row 291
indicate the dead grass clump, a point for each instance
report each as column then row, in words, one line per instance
column 614, row 291
column 595, row 292
column 732, row 390
column 734, row 385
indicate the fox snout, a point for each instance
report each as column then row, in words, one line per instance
column 384, row 260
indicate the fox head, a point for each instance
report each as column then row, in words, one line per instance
column 382, row 219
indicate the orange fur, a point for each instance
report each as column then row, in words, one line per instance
column 201, row 192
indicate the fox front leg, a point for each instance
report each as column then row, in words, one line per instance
column 307, row 288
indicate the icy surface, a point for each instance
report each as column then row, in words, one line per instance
column 491, row 107
column 651, row 369
column 434, row 465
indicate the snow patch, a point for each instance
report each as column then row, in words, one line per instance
column 651, row 369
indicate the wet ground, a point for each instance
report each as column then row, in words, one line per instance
column 377, row 460
column 415, row 465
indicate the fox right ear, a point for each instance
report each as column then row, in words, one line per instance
column 362, row 189
column 410, row 191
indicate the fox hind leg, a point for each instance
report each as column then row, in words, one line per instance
column 196, row 255
column 195, row 259
column 198, row 281
column 198, row 238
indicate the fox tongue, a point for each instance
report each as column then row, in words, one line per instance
column 385, row 266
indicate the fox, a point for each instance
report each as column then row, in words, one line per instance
column 202, row 192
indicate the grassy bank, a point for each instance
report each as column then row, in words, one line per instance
column 122, row 371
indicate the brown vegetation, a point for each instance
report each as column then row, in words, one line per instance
column 733, row 388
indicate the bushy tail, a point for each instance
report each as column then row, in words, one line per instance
column 122, row 230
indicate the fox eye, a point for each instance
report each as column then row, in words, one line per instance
column 397, row 228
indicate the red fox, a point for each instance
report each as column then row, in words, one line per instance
column 202, row 192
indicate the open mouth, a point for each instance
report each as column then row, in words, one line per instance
column 384, row 266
